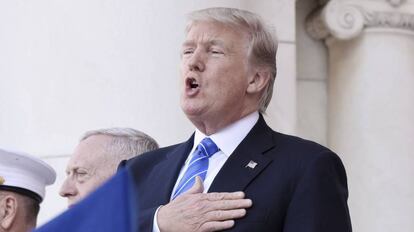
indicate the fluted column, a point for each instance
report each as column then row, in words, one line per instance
column 371, row 105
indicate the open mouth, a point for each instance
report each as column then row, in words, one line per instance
column 192, row 83
column 192, row 87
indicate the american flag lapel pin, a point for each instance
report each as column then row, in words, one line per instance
column 251, row 164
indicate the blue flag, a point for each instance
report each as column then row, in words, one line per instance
column 112, row 207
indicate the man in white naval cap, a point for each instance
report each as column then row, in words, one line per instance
column 23, row 179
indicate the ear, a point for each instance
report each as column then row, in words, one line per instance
column 258, row 81
column 8, row 211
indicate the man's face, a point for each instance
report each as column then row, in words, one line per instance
column 87, row 168
column 215, row 72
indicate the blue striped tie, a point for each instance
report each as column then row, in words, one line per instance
column 198, row 165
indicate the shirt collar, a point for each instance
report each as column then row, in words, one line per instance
column 228, row 138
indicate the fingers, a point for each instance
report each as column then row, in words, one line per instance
column 223, row 215
column 224, row 196
column 197, row 186
column 217, row 225
column 206, row 202
column 221, row 219
column 197, row 211
column 226, row 201
column 229, row 204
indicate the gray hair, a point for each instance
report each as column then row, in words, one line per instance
column 263, row 42
column 126, row 142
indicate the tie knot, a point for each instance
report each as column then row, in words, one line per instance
column 208, row 147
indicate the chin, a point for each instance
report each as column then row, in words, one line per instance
column 191, row 111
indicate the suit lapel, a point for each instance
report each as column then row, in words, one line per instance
column 165, row 173
column 247, row 161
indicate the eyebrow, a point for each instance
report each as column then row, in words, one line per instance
column 217, row 42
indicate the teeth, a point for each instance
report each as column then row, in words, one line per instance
column 193, row 83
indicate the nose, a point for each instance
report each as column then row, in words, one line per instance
column 68, row 189
column 196, row 62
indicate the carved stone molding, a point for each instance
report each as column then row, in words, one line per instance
column 345, row 19
column 390, row 19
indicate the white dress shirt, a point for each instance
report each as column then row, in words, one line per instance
column 227, row 140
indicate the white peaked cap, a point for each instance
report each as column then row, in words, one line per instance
column 25, row 174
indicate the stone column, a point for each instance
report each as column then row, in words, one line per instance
column 371, row 105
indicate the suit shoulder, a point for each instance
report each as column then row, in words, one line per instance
column 297, row 148
column 298, row 156
column 285, row 141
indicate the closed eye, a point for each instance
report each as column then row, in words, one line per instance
column 217, row 52
column 187, row 51
column 81, row 175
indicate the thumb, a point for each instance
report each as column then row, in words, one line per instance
column 197, row 186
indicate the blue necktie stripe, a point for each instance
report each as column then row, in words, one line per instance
column 204, row 148
column 193, row 161
column 179, row 191
column 198, row 165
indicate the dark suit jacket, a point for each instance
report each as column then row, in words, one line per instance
column 297, row 185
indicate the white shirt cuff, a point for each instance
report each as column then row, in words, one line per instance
column 155, row 224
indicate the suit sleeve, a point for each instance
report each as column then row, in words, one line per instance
column 319, row 202
column 145, row 220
